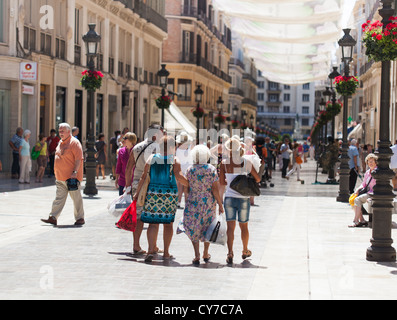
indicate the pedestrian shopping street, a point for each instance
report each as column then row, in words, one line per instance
column 302, row 249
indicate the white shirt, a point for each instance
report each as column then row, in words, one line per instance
column 393, row 164
column 185, row 158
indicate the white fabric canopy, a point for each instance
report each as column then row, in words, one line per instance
column 176, row 121
column 291, row 41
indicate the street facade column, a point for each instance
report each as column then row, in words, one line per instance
column 381, row 249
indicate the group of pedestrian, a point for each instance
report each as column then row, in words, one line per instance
column 291, row 155
column 22, row 155
column 161, row 169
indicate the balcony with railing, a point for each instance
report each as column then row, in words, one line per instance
column 147, row 13
column 193, row 12
column 192, row 58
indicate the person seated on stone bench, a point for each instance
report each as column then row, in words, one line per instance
column 364, row 192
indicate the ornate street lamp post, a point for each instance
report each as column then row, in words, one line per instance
column 332, row 77
column 219, row 104
column 381, row 249
column 328, row 94
column 163, row 75
column 347, row 44
column 322, row 105
column 91, row 40
column 199, row 98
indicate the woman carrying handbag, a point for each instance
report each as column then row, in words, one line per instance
column 162, row 195
column 236, row 205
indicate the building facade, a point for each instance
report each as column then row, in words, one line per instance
column 197, row 52
column 287, row 109
column 45, row 36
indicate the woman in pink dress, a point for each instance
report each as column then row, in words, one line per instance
column 364, row 192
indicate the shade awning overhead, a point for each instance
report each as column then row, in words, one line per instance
column 291, row 41
column 176, row 121
column 357, row 132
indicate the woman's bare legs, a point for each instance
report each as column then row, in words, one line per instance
column 167, row 237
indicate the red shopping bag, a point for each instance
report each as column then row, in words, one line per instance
column 128, row 219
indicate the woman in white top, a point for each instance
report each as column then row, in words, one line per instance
column 184, row 154
column 235, row 204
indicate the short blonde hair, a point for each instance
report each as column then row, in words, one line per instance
column 131, row 137
column 371, row 156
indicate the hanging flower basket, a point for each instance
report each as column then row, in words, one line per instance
column 198, row 112
column 381, row 45
column 235, row 124
column 220, row 119
column 334, row 109
column 346, row 86
column 163, row 102
column 91, row 80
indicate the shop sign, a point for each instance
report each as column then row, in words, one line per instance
column 29, row 90
column 28, row 71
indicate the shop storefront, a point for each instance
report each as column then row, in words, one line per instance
column 5, row 151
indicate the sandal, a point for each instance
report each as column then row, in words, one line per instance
column 355, row 225
column 149, row 258
column 229, row 259
column 246, row 254
column 196, row 261
column 206, row 260
column 139, row 252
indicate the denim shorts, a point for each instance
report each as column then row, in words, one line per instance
column 237, row 207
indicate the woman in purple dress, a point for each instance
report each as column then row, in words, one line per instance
column 200, row 208
column 129, row 141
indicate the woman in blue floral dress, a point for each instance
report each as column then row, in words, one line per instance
column 200, row 207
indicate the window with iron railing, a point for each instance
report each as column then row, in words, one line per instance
column 121, row 69
column 77, row 55
column 60, row 49
column 111, row 65
column 2, row 20
column 46, row 44
column 29, row 41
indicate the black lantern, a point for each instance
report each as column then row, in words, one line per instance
column 199, row 98
column 199, row 94
column 322, row 104
column 327, row 94
column 219, row 104
column 163, row 75
column 92, row 40
column 334, row 74
column 235, row 112
column 347, row 43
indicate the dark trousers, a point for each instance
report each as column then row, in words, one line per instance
column 352, row 180
column 15, row 164
column 285, row 167
column 51, row 163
